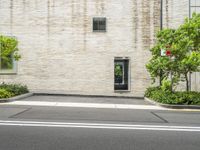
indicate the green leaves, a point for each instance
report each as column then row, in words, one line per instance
column 191, row 62
column 15, row 89
column 8, row 50
column 166, row 85
column 118, row 71
column 156, row 64
column 184, row 45
column 7, row 45
column 166, row 97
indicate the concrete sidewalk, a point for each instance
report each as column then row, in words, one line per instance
column 87, row 99
column 84, row 102
column 84, row 105
column 88, row 102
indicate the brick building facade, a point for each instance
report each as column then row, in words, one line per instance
column 73, row 46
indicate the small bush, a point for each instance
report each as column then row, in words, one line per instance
column 149, row 91
column 189, row 98
column 15, row 89
column 166, row 85
column 166, row 97
column 5, row 94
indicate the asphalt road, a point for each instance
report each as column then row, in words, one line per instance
column 59, row 128
column 44, row 138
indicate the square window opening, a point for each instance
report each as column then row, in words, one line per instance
column 99, row 24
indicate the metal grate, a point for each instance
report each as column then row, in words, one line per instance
column 99, row 24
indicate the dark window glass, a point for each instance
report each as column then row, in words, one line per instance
column 194, row 6
column 6, row 63
column 95, row 25
column 121, row 75
column 99, row 24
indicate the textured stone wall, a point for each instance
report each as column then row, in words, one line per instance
column 61, row 53
column 174, row 12
column 195, row 82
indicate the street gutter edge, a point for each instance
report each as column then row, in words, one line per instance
column 172, row 106
column 16, row 97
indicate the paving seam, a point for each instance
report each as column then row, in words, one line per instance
column 160, row 117
column 17, row 114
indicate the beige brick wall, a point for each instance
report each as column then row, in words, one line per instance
column 61, row 54
column 195, row 82
column 174, row 12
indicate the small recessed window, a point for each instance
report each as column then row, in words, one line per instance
column 99, row 24
column 121, row 74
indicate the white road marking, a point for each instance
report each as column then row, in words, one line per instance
column 99, row 126
column 85, row 105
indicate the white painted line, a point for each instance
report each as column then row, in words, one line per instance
column 99, row 126
column 85, row 105
column 95, row 124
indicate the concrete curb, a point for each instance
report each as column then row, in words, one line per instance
column 81, row 95
column 16, row 97
column 172, row 106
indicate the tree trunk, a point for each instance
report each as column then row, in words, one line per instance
column 172, row 82
column 187, row 82
column 161, row 77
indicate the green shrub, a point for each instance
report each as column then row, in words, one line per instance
column 166, row 97
column 166, row 85
column 5, row 94
column 190, row 98
column 16, row 89
column 150, row 90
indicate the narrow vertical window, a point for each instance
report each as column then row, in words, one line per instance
column 7, row 61
column 99, row 24
column 121, row 74
column 194, row 6
column 7, row 65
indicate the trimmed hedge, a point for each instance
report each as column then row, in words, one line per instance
column 166, row 97
column 10, row 90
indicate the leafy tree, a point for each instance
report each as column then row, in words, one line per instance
column 159, row 64
column 188, row 65
column 8, row 49
column 184, row 45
